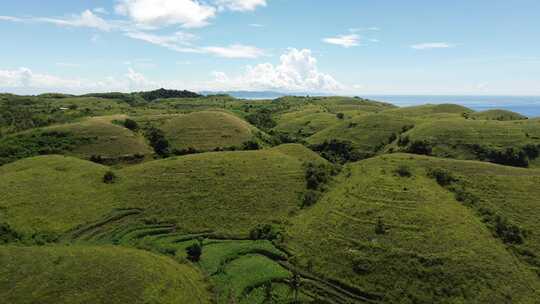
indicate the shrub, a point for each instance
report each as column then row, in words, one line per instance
column 265, row 232
column 380, row 227
column 532, row 151
column 251, row 145
column 337, row 151
column 98, row 159
column 131, row 124
column 187, row 151
column 109, row 177
column 422, row 147
column 340, row 116
column 158, row 141
column 403, row 141
column 507, row 232
column 8, row 235
column 311, row 197
column 262, row 119
column 442, row 176
column 403, row 171
column 194, row 252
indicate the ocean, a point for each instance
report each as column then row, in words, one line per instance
column 525, row 105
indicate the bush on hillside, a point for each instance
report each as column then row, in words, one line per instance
column 262, row 119
column 251, row 145
column 403, row 141
column 109, row 177
column 442, row 176
column 157, row 140
column 185, row 151
column 8, row 235
column 194, row 252
column 163, row 94
column 422, row 147
column 131, row 124
column 311, row 197
column 517, row 157
column 380, row 227
column 340, row 116
column 403, row 171
column 265, row 232
column 337, row 151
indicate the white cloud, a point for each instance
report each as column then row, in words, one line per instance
column 235, row 51
column 187, row 13
column 179, row 41
column 432, row 45
column 256, row 25
column 346, row 41
column 182, row 42
column 240, row 5
column 100, row 10
column 85, row 19
column 24, row 77
column 10, row 18
column 297, row 71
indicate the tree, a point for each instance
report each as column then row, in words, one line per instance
column 131, row 124
column 109, row 177
column 380, row 227
column 420, row 147
column 194, row 252
column 158, row 141
column 340, row 116
column 295, row 283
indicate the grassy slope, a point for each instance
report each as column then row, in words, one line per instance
column 52, row 193
column 451, row 137
column 497, row 115
column 77, row 274
column 227, row 192
column 306, row 121
column 435, row 251
column 207, row 130
column 108, row 139
column 429, row 109
column 367, row 133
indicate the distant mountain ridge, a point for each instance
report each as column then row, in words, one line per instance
column 261, row 94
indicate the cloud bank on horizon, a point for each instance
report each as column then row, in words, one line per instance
column 267, row 45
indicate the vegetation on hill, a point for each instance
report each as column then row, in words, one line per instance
column 83, row 274
column 502, row 115
column 212, row 199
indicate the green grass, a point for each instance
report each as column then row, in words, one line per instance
column 435, row 250
column 107, row 139
column 430, row 110
column 368, row 133
column 207, row 130
column 81, row 274
column 228, row 192
column 51, row 194
column 454, row 137
column 306, row 121
column 496, row 114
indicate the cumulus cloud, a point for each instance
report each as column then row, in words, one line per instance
column 26, row 81
column 345, row 41
column 187, row 13
column 432, row 45
column 240, row 5
column 297, row 71
column 235, row 51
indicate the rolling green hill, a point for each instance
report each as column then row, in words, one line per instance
column 228, row 192
column 407, row 239
column 471, row 139
column 502, row 115
column 82, row 274
column 367, row 133
column 281, row 224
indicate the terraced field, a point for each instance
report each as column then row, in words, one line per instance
column 407, row 239
column 276, row 225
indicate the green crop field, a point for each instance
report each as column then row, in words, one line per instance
column 170, row 197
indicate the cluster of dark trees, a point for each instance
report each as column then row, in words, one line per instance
column 163, row 94
column 317, row 177
column 338, row 151
column 514, row 156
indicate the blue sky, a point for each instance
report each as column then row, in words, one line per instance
column 361, row 47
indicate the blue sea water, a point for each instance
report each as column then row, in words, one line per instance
column 525, row 105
